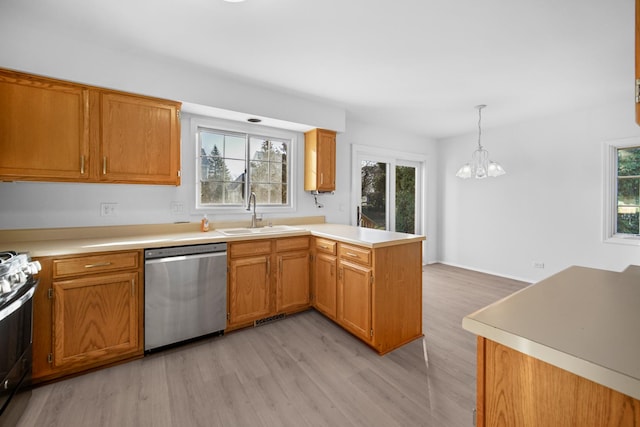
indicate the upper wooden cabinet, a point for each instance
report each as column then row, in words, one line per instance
column 53, row 130
column 44, row 129
column 320, row 160
column 139, row 139
column 638, row 61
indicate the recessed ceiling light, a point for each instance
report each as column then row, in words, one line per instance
column 252, row 119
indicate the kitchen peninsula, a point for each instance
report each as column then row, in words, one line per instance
column 564, row 351
column 367, row 281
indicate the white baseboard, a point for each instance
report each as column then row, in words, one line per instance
column 493, row 273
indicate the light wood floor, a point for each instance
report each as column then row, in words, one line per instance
column 300, row 371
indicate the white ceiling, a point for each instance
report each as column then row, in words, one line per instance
column 420, row 65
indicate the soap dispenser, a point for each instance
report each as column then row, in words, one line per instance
column 204, row 224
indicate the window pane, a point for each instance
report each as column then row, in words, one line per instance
column 405, row 199
column 373, row 178
column 235, row 147
column 225, row 173
column 278, row 152
column 259, row 172
column 629, row 161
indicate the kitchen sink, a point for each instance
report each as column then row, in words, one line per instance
column 259, row 230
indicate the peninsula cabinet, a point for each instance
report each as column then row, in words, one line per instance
column 320, row 160
column 54, row 130
column 377, row 294
column 325, row 277
column 88, row 313
column 267, row 278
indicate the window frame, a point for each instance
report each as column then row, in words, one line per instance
column 610, row 190
column 250, row 130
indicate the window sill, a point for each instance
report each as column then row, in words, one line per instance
column 624, row 240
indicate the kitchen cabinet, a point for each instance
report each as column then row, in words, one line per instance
column 518, row 390
column 355, row 282
column 249, row 283
column 88, row 313
column 267, row 278
column 292, row 282
column 44, row 129
column 139, row 140
column 61, row 131
column 376, row 294
column 320, row 160
column 325, row 277
column 638, row 61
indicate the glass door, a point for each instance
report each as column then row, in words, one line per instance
column 388, row 192
column 374, row 211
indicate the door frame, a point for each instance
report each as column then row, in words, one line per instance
column 392, row 158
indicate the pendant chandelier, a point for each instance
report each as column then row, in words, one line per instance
column 480, row 166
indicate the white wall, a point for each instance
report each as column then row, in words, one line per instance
column 547, row 208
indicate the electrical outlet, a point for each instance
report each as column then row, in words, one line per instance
column 108, row 209
column 177, row 208
column 538, row 264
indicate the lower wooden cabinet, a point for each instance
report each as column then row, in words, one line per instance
column 95, row 319
column 87, row 313
column 514, row 389
column 249, row 283
column 267, row 277
column 376, row 294
column 354, row 299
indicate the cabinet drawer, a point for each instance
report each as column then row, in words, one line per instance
column 95, row 264
column 355, row 254
column 325, row 246
column 254, row 247
column 292, row 243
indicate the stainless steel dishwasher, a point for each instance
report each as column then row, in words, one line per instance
column 185, row 293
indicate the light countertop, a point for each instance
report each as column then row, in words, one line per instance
column 583, row 320
column 58, row 242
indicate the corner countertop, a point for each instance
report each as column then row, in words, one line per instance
column 583, row 320
column 69, row 241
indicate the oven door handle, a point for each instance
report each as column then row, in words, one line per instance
column 7, row 311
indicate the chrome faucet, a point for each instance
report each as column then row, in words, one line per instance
column 253, row 216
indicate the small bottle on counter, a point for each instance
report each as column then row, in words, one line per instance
column 204, row 224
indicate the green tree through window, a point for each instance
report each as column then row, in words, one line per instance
column 628, row 194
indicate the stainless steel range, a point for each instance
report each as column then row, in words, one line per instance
column 17, row 286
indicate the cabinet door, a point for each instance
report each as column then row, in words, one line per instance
column 326, row 161
column 44, row 129
column 354, row 299
column 319, row 160
column 95, row 319
column 249, row 290
column 139, row 140
column 292, row 289
column 326, row 284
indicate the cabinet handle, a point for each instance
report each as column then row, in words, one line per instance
column 133, row 287
column 323, row 247
column 82, row 165
column 321, row 178
column 268, row 267
column 98, row 264
column 104, row 165
column 352, row 254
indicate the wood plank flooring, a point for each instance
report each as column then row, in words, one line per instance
column 300, row 371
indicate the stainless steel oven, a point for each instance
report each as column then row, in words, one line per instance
column 17, row 286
